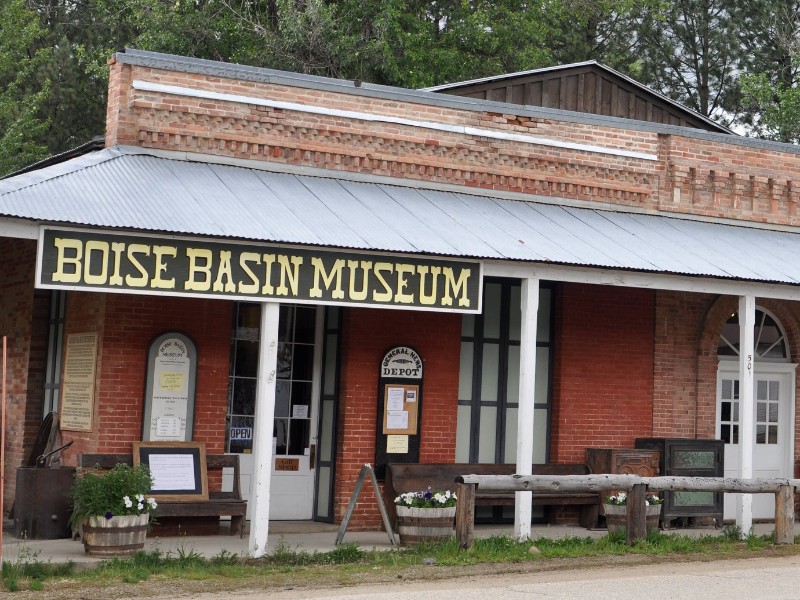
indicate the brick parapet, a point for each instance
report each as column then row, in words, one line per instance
column 698, row 175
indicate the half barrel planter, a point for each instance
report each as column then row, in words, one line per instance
column 425, row 525
column 121, row 535
column 617, row 516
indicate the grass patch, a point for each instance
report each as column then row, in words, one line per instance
column 349, row 564
column 26, row 571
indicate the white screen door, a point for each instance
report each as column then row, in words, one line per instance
column 774, row 415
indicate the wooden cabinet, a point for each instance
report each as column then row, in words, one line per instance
column 689, row 458
column 623, row 461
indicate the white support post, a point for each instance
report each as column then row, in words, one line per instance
column 527, row 390
column 747, row 318
column 262, row 428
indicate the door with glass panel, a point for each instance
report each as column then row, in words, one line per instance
column 296, row 405
column 772, row 424
column 488, row 398
column 773, row 399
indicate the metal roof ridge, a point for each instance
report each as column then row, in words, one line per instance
column 61, row 169
column 317, row 172
column 455, row 84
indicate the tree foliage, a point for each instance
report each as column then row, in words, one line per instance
column 22, row 93
column 691, row 52
column 733, row 60
column 769, row 96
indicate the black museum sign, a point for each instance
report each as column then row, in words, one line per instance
column 98, row 260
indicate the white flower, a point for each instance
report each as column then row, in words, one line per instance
column 151, row 502
column 140, row 505
column 128, row 502
column 140, row 497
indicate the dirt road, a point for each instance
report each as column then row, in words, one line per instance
column 774, row 578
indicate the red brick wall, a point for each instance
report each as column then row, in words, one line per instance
column 367, row 334
column 127, row 325
column 677, row 410
column 603, row 369
column 16, row 316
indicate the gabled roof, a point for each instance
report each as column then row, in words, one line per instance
column 196, row 195
column 623, row 97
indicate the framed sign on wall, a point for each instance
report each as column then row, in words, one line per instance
column 178, row 469
column 77, row 391
column 169, row 396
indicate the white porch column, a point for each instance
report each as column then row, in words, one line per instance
column 527, row 389
column 747, row 318
column 262, row 428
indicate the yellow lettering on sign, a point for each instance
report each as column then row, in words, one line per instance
column 269, row 260
column 195, row 255
column 289, row 274
column 244, row 259
column 451, row 283
column 428, row 299
column 117, row 248
column 327, row 278
column 385, row 296
column 63, row 245
column 224, row 272
column 353, row 265
column 142, row 280
column 248, row 271
column 93, row 247
column 161, row 267
column 402, row 270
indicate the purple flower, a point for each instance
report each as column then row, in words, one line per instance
column 109, row 514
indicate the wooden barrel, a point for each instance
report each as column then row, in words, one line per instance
column 118, row 536
column 617, row 516
column 420, row 525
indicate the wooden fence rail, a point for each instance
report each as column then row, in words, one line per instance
column 637, row 489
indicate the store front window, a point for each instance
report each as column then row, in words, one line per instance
column 292, row 424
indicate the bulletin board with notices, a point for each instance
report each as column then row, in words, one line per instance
column 400, row 408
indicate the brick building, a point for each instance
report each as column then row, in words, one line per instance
column 609, row 257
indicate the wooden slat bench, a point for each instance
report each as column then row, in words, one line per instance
column 228, row 504
column 412, row 477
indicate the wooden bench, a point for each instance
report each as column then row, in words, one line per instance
column 414, row 477
column 219, row 504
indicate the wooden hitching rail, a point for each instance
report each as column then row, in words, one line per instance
column 637, row 489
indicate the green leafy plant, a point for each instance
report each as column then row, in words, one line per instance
column 427, row 499
column 112, row 492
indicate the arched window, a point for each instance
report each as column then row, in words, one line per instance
column 770, row 339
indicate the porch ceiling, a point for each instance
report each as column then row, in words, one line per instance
column 135, row 189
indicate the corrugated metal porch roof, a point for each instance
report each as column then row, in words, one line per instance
column 134, row 190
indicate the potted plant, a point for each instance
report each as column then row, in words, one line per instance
column 425, row 516
column 111, row 510
column 616, row 511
